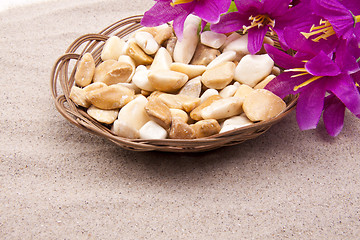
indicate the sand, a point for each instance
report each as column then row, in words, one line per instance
column 59, row 182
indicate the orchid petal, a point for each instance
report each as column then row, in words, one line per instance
column 248, row 6
column 344, row 88
column 322, row 65
column 284, row 84
column 275, row 7
column 282, row 59
column 230, row 22
column 333, row 116
column 345, row 59
column 207, row 10
column 162, row 12
column 256, row 38
column 309, row 106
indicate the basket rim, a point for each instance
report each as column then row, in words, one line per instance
column 77, row 116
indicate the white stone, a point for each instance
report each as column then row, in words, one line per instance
column 147, row 42
column 192, row 88
column 238, row 45
column 167, row 80
column 141, row 80
column 235, row 122
column 229, row 39
column 180, row 114
column 228, row 56
column 223, row 108
column 131, row 85
column 208, row 93
column 228, row 91
column 162, row 60
column 253, row 68
column 191, row 70
column 220, row 76
column 103, row 116
column 113, row 48
column 131, row 118
column 152, row 130
column 185, row 48
column 212, row 39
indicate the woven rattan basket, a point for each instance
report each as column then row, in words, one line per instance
column 62, row 79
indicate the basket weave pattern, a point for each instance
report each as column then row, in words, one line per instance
column 63, row 75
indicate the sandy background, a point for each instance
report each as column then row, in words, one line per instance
column 58, row 182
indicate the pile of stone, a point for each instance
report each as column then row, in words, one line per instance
column 153, row 86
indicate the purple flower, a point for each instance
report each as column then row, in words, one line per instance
column 312, row 78
column 256, row 18
column 167, row 10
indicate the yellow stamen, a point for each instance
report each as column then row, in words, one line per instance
column 356, row 84
column 357, row 18
column 325, row 30
column 307, row 82
column 176, row 2
column 260, row 21
column 296, row 70
column 300, row 74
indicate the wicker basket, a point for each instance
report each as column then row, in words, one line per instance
column 64, row 71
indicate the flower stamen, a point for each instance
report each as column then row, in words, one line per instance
column 260, row 21
column 314, row 78
column 176, row 2
column 325, row 29
column 303, row 73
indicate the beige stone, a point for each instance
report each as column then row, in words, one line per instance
column 235, row 123
column 141, row 79
column 167, row 80
column 212, row 39
column 170, row 45
column 152, row 130
column 146, row 42
column 178, row 101
column 111, row 97
column 219, row 76
column 208, row 93
column 223, row 108
column 85, row 70
column 113, row 72
column 253, row 68
column 276, row 71
column 243, row 90
column 103, row 116
column 162, row 60
column 264, row 82
column 204, row 55
column 158, row 112
column 192, row 88
column 267, row 40
column 230, row 38
column 78, row 96
column 206, row 128
column 222, row 58
column 261, row 105
column 191, row 71
column 163, row 33
column 238, row 45
column 181, row 130
column 180, row 114
column 131, row 118
column 196, row 112
column 94, row 86
column 228, row 91
column 138, row 55
column 113, row 48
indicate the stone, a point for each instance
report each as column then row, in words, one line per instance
column 243, row 90
column 235, row 122
column 131, row 85
column 113, row 72
column 267, row 40
column 181, row 130
column 276, row 71
column 192, row 88
column 78, row 96
column 178, row 101
column 113, row 48
column 146, row 42
column 223, row 108
column 152, row 130
column 233, row 36
column 219, row 76
column 163, row 33
column 204, row 55
column 162, row 60
column 264, row 82
column 138, row 55
column 208, row 93
column 185, row 48
column 206, row 128
column 110, row 97
column 222, row 58
column 103, row 116
column 253, row 68
column 167, row 80
column 131, row 118
column 180, row 114
column 85, row 70
column 191, row 71
column 212, row 39
column 238, row 45
column 262, row 105
column 159, row 112
column 228, row 91
column 170, row 45
column 195, row 114
column 141, row 80
column 94, row 86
